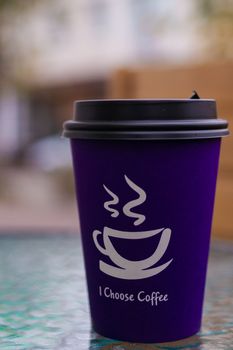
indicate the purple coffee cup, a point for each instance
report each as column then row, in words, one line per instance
column 145, row 174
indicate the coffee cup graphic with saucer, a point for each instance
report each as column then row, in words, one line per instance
column 124, row 268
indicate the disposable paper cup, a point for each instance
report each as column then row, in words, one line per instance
column 145, row 173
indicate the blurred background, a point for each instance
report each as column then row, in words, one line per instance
column 54, row 52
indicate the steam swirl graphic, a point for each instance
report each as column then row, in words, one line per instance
column 127, row 209
column 114, row 200
column 141, row 199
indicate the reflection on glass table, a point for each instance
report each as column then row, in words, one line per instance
column 43, row 298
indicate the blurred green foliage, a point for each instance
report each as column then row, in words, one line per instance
column 15, row 4
column 216, row 8
column 216, row 18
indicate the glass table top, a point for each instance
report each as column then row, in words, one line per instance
column 43, row 298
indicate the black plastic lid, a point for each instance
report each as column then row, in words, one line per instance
column 162, row 119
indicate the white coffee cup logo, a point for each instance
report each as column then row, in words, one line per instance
column 128, row 269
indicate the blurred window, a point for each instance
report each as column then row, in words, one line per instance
column 99, row 16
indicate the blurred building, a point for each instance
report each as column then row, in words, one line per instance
column 68, row 50
column 54, row 52
column 87, row 39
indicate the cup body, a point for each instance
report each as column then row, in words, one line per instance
column 145, row 210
